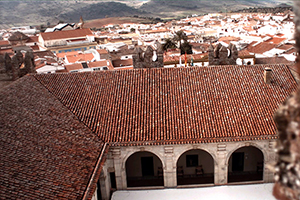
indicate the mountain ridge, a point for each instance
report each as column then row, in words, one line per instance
column 33, row 12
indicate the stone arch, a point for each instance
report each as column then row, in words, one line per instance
column 246, row 145
column 144, row 168
column 177, row 156
column 141, row 150
column 195, row 166
column 246, row 163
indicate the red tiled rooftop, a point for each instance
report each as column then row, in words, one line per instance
column 272, row 60
column 102, row 51
column 4, row 43
column 291, row 51
column 276, row 40
column 61, row 55
column 231, row 38
column 175, row 105
column 80, row 57
column 101, row 63
column 33, row 39
column 9, row 51
column 285, row 46
column 188, row 57
column 244, row 53
column 46, row 152
column 73, row 66
column 261, row 47
column 122, row 63
column 66, row 34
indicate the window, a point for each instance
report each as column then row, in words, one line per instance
column 96, row 69
column 191, row 160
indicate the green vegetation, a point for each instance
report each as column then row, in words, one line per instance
column 179, row 38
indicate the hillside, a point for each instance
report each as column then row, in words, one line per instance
column 102, row 10
column 26, row 12
column 176, row 7
column 37, row 12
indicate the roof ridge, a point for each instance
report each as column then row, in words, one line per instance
column 52, row 94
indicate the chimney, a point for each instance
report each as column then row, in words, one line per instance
column 267, row 75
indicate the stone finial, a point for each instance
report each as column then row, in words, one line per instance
column 217, row 50
column 222, row 55
column 210, row 48
column 159, row 48
column 148, row 54
column 234, row 52
column 151, row 58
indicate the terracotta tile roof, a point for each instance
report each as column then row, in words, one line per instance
column 272, row 60
column 17, row 36
column 9, row 51
column 292, row 50
column 261, row 47
column 123, row 68
column 80, row 57
column 285, row 46
column 4, row 43
column 40, row 57
column 229, row 39
column 200, row 46
column 33, row 39
column 73, row 66
column 35, row 47
column 46, row 152
column 121, row 63
column 156, row 31
column 175, row 105
column 102, row 51
column 244, row 53
column 189, row 57
column 276, row 40
column 101, row 63
column 66, row 34
column 63, row 54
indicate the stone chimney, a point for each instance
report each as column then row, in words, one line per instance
column 267, row 75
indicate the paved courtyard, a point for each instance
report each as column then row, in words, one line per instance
column 237, row 192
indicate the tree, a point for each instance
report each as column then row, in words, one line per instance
column 29, row 63
column 180, row 37
column 170, row 44
column 186, row 47
column 8, row 65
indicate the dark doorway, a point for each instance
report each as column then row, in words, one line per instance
column 147, row 166
column 238, row 161
column 144, row 169
column 99, row 195
column 195, row 167
column 113, row 184
column 246, row 164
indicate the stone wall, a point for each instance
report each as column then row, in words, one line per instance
column 152, row 57
column 220, row 55
column 170, row 154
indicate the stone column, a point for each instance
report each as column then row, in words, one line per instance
column 221, row 167
column 103, row 187
column 119, row 171
column 169, row 168
column 269, row 160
